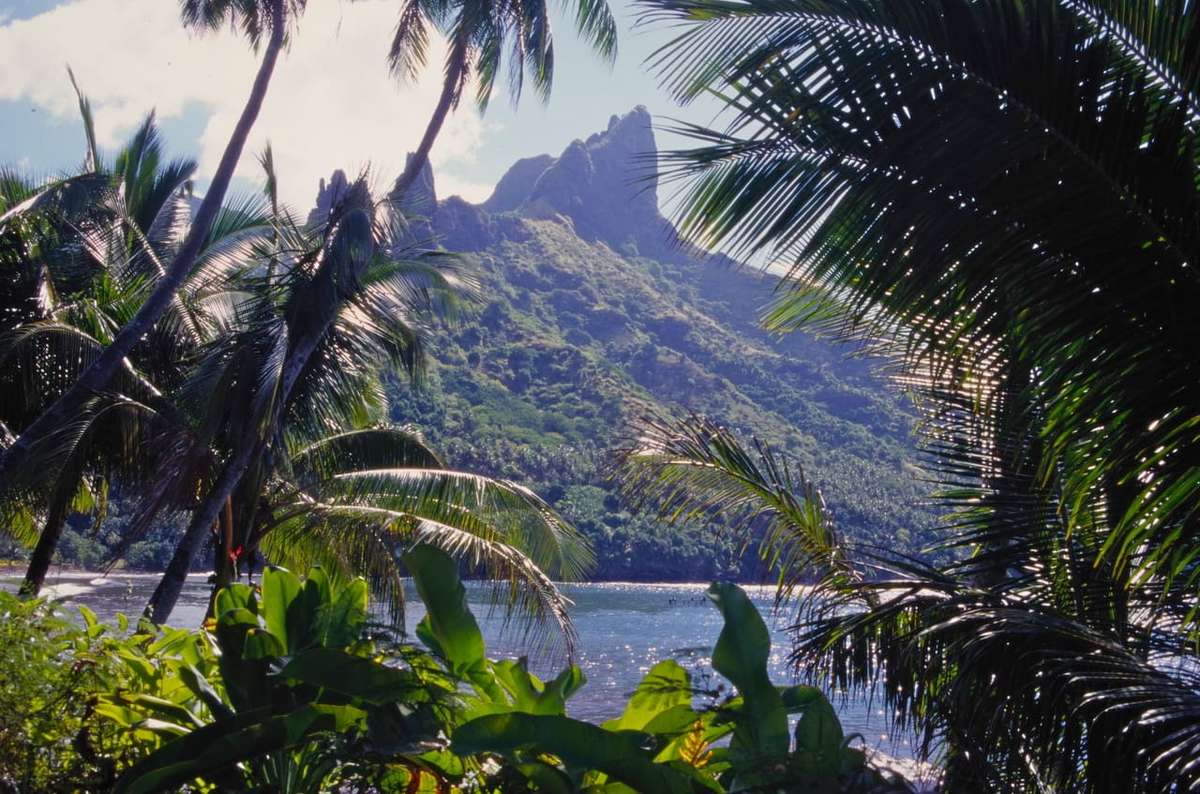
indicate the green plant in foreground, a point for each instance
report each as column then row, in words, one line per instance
column 52, row 734
column 300, row 699
column 297, row 689
column 663, row 743
column 1002, row 197
column 288, row 694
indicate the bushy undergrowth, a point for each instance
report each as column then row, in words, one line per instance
column 51, row 671
column 290, row 689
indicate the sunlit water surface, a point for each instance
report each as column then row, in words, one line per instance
column 623, row 628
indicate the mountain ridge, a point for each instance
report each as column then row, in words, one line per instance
column 598, row 313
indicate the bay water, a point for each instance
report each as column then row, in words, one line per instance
column 623, row 628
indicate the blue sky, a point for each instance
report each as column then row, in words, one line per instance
column 332, row 103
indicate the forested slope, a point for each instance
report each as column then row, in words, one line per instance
column 594, row 315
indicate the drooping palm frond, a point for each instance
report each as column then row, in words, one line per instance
column 371, row 448
column 697, row 470
column 1002, row 199
column 983, row 674
column 489, row 507
column 1039, row 198
column 363, row 540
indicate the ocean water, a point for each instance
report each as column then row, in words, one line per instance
column 623, row 629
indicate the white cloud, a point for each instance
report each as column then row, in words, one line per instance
column 332, row 103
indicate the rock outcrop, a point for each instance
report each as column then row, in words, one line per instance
column 604, row 187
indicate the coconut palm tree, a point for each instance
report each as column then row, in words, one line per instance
column 288, row 393
column 481, row 33
column 261, row 21
column 1001, row 198
column 87, row 283
column 355, row 501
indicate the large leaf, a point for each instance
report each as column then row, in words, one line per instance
column 449, row 627
column 580, row 745
column 351, row 676
column 221, row 745
column 530, row 694
column 280, row 590
column 741, row 655
column 666, row 686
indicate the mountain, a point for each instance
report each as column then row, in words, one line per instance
column 596, row 313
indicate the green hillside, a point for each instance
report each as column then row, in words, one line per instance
column 577, row 340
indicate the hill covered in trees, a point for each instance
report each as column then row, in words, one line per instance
column 596, row 314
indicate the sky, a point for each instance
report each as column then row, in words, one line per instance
column 332, row 103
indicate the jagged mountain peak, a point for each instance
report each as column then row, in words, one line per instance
column 604, row 185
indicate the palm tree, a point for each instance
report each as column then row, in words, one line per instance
column 323, row 310
column 257, row 19
column 1001, row 198
column 480, row 32
column 354, row 501
column 87, row 284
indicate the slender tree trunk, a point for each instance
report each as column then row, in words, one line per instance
column 101, row 371
column 163, row 600
column 43, row 552
column 252, row 446
column 446, row 102
column 223, row 563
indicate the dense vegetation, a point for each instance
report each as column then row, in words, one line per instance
column 254, row 414
column 589, row 326
column 576, row 342
column 293, row 690
column 1004, row 199
column 1001, row 199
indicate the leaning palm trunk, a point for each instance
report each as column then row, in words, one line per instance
column 101, row 372
column 451, row 89
column 250, row 448
column 43, row 552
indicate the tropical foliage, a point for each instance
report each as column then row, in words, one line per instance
column 291, row 688
column 1001, row 199
column 578, row 341
column 268, row 19
column 256, row 408
column 663, row 742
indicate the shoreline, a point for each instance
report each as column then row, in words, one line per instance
column 9, row 568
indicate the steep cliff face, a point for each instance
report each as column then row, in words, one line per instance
column 603, row 187
column 595, row 315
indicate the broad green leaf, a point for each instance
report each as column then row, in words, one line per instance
column 580, row 745
column 235, row 596
column 260, row 644
column 526, row 692
column 219, row 746
column 352, row 676
column 280, row 588
column 448, row 626
column 741, row 654
column 205, row 692
column 820, row 732
column 343, row 622
column 665, row 686
column 158, row 707
column 797, row 698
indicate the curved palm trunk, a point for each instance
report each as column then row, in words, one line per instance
column 165, row 596
column 446, row 102
column 251, row 448
column 223, row 563
column 101, row 371
column 43, row 552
